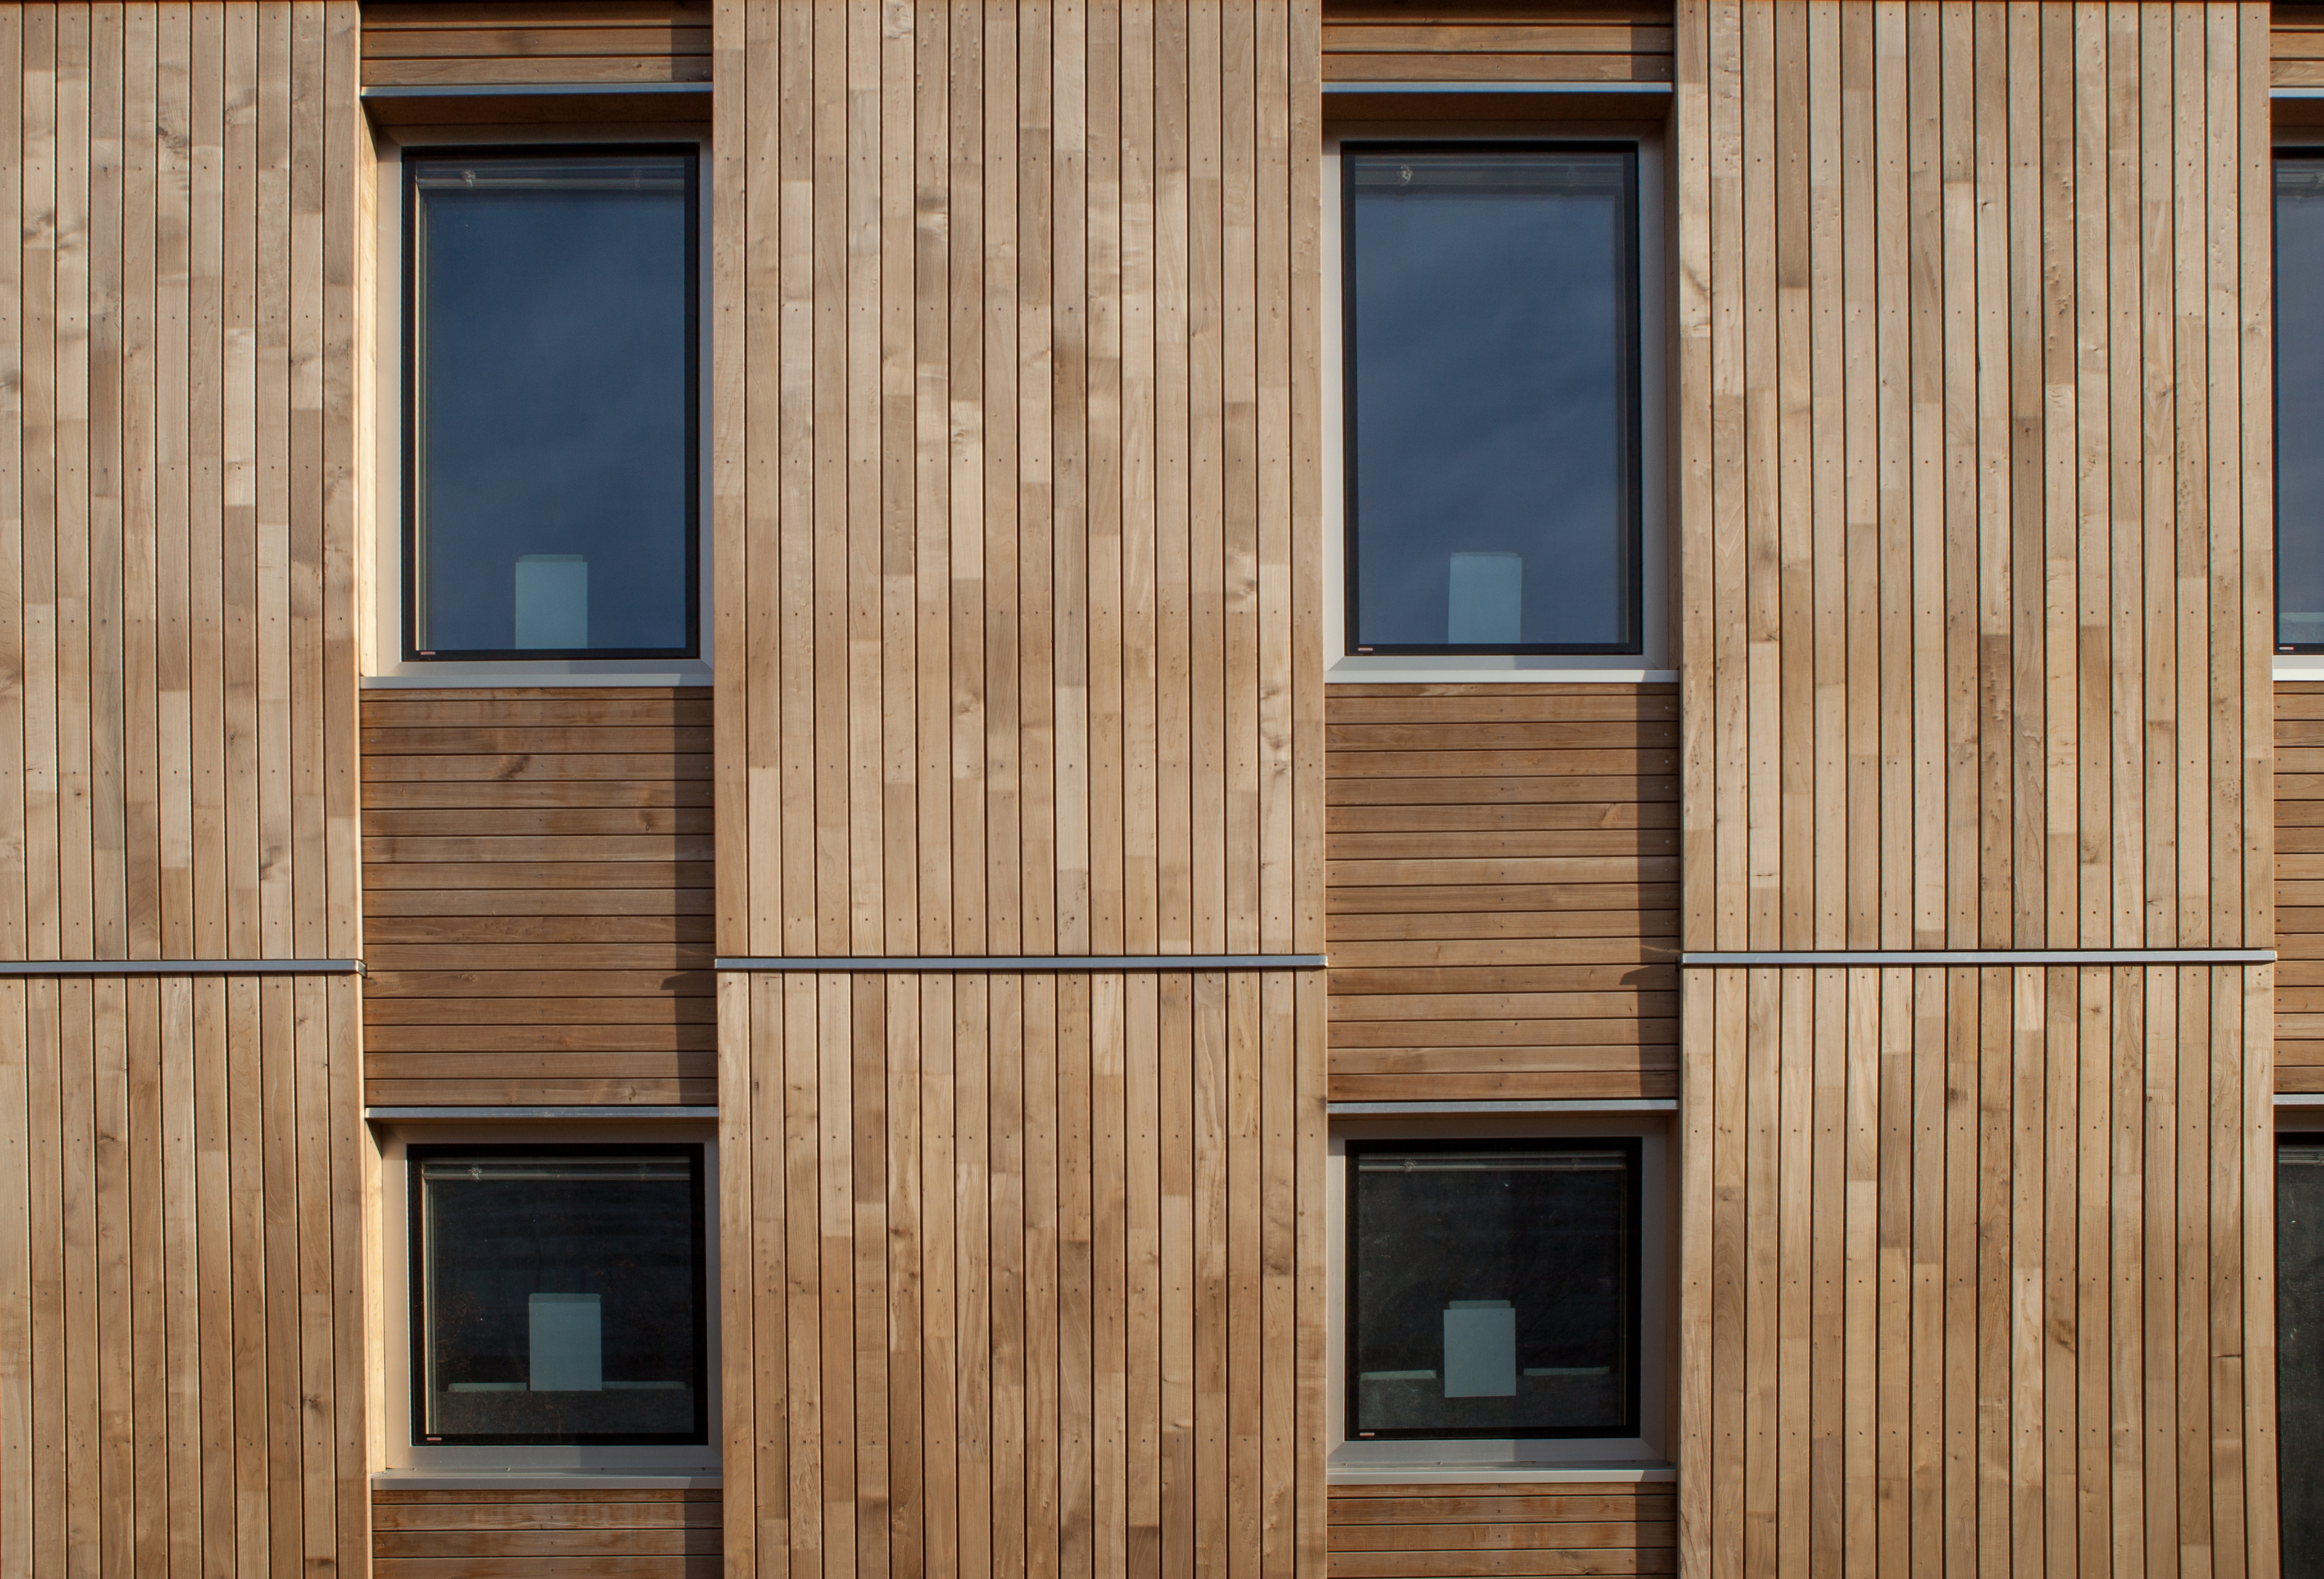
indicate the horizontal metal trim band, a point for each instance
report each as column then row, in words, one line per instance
column 1547, row 1104
column 182, row 967
column 1651, row 89
column 1830, row 958
column 523, row 89
column 974, row 963
column 2300, row 1099
column 607, row 1113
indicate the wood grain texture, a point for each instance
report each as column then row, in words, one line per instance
column 1390, row 41
column 511, row 837
column 1483, row 1531
column 546, row 1534
column 2298, row 802
column 537, row 41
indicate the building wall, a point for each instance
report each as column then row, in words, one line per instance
column 1973, row 307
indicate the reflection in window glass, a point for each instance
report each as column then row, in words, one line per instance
column 2300, row 402
column 1492, row 356
column 2300, row 1347
column 552, row 392
column 1493, row 1289
column 558, row 1295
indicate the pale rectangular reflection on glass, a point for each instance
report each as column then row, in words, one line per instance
column 2300, row 400
column 1493, row 1289
column 553, row 466
column 1491, row 392
column 558, row 1295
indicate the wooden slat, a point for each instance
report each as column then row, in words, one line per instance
column 539, row 40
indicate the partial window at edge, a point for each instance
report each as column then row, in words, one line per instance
column 551, row 464
column 2300, row 1346
column 2300, row 402
column 1492, row 397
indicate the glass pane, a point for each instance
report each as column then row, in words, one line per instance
column 2299, row 401
column 1494, row 1291
column 560, row 1296
column 1492, row 342
column 553, row 405
column 2299, row 1349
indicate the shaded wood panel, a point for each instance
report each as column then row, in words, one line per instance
column 1502, row 891
column 537, row 41
column 624, row 1533
column 1397, row 41
column 1023, row 1277
column 2299, row 885
column 1487, row 1531
column 538, row 891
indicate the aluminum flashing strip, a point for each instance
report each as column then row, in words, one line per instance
column 182, row 967
column 606, row 1113
column 1824, row 958
column 974, row 963
column 1553, row 1104
column 523, row 89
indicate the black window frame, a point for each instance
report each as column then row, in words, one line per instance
column 1632, row 371
column 690, row 150
column 1634, row 1148
column 415, row 1293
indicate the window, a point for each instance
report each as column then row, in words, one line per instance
column 558, row 1295
column 2299, row 1345
column 1492, row 1289
column 1491, row 397
column 2299, row 402
column 551, row 467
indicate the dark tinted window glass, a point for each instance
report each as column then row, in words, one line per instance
column 558, row 1295
column 2299, row 1349
column 1493, row 1290
column 2300, row 402
column 1492, row 353
column 553, row 463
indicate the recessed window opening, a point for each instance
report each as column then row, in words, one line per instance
column 551, row 467
column 1493, row 1289
column 2299, row 401
column 558, row 1295
column 1492, row 397
column 2300, row 1346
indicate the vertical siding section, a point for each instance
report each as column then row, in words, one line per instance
column 1973, row 315
column 1013, row 543
column 182, row 1361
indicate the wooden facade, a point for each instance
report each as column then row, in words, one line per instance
column 1016, row 511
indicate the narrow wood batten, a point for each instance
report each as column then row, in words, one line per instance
column 182, row 1373
column 1975, row 491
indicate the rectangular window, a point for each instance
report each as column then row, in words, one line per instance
column 1493, row 1289
column 2300, row 402
column 551, row 469
column 1492, row 397
column 2299, row 1345
column 558, row 1295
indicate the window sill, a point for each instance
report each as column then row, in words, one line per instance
column 543, row 1480
column 1419, row 668
column 546, row 674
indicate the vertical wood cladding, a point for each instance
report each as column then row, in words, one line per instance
column 1495, row 40
column 1503, row 891
column 1974, row 339
column 471, row 43
column 1487, row 1531
column 537, row 897
column 618, row 1534
column 1016, row 495
column 182, row 1361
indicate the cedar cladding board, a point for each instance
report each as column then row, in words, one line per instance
column 546, row 1534
column 2299, row 885
column 1388, row 41
column 1456, row 1532
column 537, row 894
column 1503, row 891
column 544, row 40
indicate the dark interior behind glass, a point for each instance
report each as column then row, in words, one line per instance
column 2299, row 401
column 558, row 1295
column 552, row 466
column 1493, row 1289
column 1491, row 394
column 2300, row 1348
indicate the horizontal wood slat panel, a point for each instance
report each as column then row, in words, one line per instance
column 1492, row 932
column 576, row 41
column 1385, row 40
column 1459, row 1532
column 618, row 1532
column 2299, row 878
column 528, row 949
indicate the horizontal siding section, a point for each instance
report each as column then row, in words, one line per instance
column 2300, row 882
column 553, row 41
column 1503, row 891
column 1383, row 41
column 604, row 1532
column 1463, row 1532
column 2296, row 40
column 537, row 897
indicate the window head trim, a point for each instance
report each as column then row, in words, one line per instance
column 1630, row 422
column 413, row 160
column 417, row 1292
